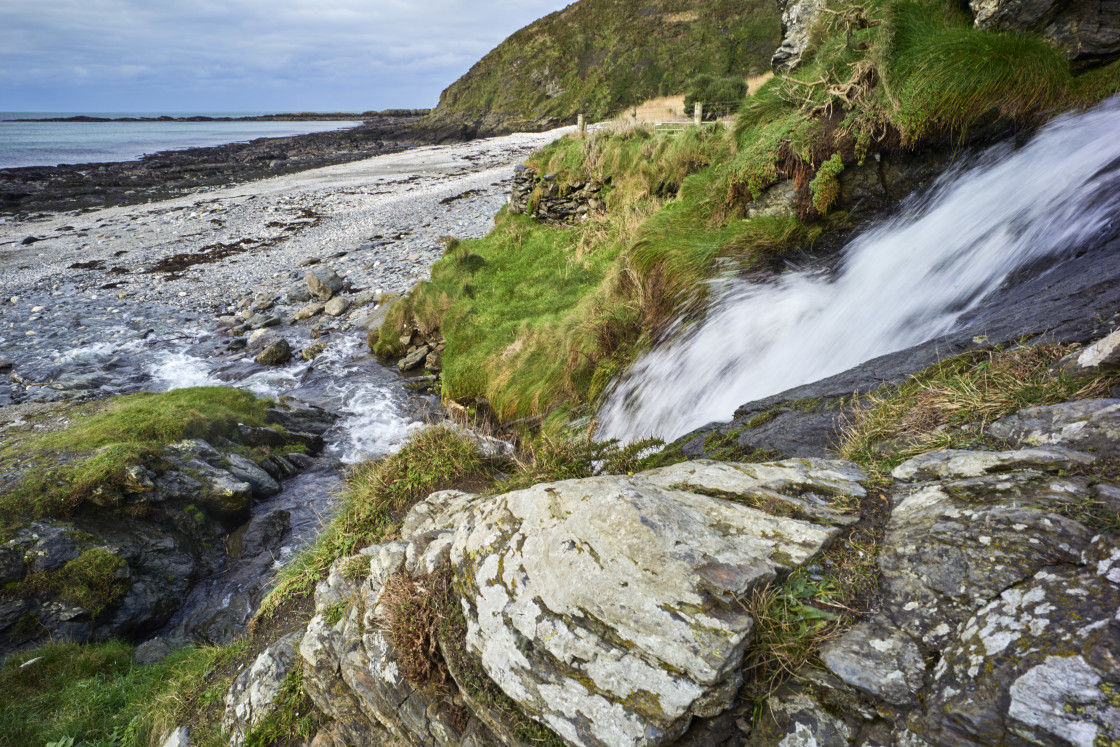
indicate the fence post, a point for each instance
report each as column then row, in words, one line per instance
column 698, row 113
column 581, row 123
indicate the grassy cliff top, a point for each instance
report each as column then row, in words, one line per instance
column 600, row 56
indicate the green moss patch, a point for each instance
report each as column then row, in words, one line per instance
column 60, row 469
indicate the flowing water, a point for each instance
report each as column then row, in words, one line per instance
column 898, row 284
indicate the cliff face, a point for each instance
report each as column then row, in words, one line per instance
column 600, row 56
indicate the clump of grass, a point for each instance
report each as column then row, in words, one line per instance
column 377, row 496
column 551, row 457
column 945, row 76
column 61, row 468
column 92, row 581
column 95, row 695
column 948, row 404
column 790, row 627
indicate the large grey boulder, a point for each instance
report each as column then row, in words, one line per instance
column 608, row 605
column 1084, row 30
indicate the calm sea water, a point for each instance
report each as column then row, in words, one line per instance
column 24, row 143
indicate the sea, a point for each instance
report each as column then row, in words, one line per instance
column 25, row 143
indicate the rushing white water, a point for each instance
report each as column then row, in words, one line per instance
column 899, row 284
column 374, row 418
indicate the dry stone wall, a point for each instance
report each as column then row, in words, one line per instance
column 549, row 200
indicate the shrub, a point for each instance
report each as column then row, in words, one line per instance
column 720, row 96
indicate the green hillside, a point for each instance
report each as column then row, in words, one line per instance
column 600, row 56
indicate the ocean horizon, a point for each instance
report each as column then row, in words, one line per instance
column 28, row 143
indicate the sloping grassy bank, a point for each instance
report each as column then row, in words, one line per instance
column 539, row 317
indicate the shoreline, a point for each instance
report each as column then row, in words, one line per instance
column 282, row 117
column 29, row 190
column 72, row 279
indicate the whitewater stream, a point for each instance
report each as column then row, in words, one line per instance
column 902, row 282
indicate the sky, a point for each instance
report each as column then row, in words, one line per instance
column 245, row 55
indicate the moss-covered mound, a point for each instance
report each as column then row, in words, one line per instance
column 600, row 56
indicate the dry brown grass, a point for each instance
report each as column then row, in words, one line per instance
column 415, row 608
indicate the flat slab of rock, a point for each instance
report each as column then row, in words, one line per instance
column 1091, row 425
column 608, row 605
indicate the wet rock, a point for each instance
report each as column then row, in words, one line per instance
column 308, row 311
column 298, row 294
column 312, row 351
column 249, row 471
column 255, row 436
column 555, row 576
column 296, row 415
column 337, row 306
column 252, row 697
column 53, row 547
column 413, row 359
column 1091, row 425
column 265, row 533
column 279, row 467
column 323, row 283
column 276, row 354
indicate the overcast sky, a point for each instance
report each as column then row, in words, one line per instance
column 245, row 55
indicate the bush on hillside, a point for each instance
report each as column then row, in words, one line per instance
column 718, row 95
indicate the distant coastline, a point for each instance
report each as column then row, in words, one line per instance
column 288, row 117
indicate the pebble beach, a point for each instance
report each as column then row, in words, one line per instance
column 83, row 291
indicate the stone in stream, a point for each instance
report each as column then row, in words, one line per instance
column 276, row 354
column 312, row 351
column 309, row 310
column 323, row 283
column 336, row 306
column 413, row 359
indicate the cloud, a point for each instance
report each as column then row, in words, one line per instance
column 260, row 54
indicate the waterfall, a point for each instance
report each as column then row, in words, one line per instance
column 900, row 283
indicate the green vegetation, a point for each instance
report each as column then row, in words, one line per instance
column 542, row 317
column 948, row 404
column 91, row 581
column 378, row 495
column 62, row 468
column 601, row 56
column 94, row 694
column 719, row 95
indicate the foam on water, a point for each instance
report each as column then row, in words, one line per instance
column 899, row 284
column 179, row 370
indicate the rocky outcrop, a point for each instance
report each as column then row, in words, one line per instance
column 605, row 607
column 547, row 200
column 798, row 19
column 124, row 563
column 252, row 697
column 997, row 623
column 1084, row 30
